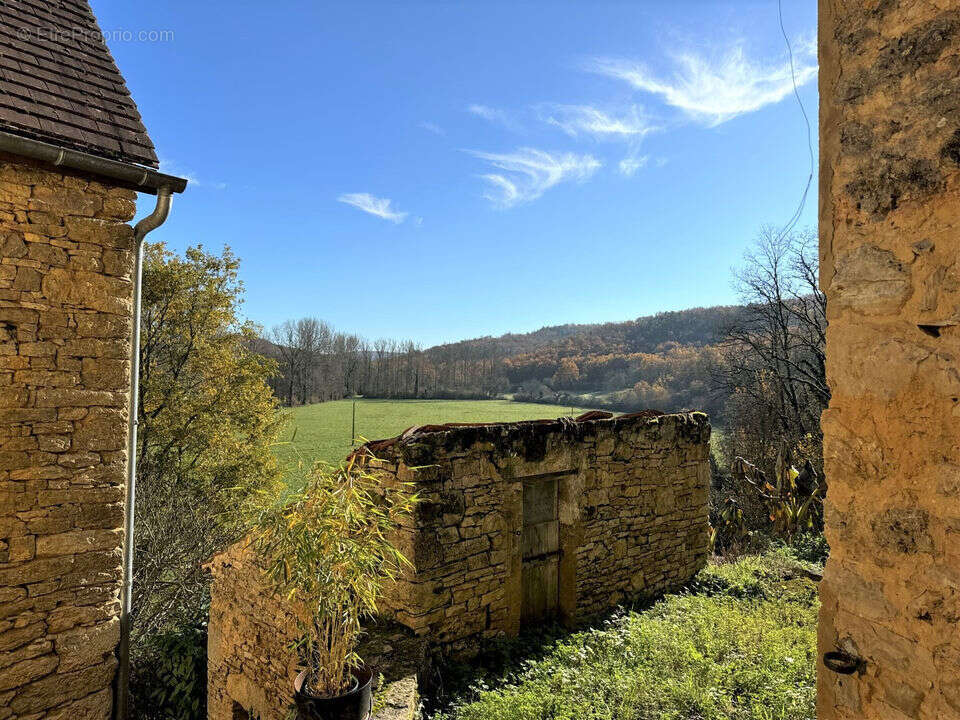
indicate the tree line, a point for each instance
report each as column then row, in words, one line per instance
column 656, row 361
column 757, row 368
column 318, row 363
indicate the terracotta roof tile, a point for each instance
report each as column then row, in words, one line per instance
column 59, row 83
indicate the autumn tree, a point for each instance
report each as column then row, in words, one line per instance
column 207, row 419
column 567, row 374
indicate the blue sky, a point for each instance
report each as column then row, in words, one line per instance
column 441, row 170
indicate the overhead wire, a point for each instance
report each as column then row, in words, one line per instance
column 795, row 218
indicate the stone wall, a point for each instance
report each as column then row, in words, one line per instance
column 250, row 664
column 249, row 660
column 65, row 307
column 633, row 517
column 890, row 265
column 632, row 521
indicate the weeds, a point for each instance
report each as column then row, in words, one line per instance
column 739, row 644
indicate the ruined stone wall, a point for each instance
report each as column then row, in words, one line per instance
column 890, row 265
column 65, row 305
column 633, row 518
column 251, row 666
column 249, row 658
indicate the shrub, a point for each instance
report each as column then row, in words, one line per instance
column 327, row 546
column 810, row 548
column 170, row 675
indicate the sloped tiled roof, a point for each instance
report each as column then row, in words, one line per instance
column 59, row 83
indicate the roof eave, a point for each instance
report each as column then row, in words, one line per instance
column 121, row 174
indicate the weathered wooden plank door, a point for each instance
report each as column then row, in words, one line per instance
column 541, row 549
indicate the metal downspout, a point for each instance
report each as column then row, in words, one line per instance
column 142, row 229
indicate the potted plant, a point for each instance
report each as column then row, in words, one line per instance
column 326, row 546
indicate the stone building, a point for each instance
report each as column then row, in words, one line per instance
column 517, row 523
column 889, row 250
column 532, row 520
column 73, row 153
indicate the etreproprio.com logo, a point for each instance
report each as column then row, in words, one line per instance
column 74, row 35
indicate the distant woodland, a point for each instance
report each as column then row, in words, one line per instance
column 663, row 361
column 757, row 368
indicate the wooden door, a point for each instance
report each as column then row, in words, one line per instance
column 541, row 549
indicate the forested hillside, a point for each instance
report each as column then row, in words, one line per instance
column 661, row 361
column 696, row 326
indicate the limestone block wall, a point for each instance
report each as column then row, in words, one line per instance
column 65, row 306
column 632, row 516
column 890, row 265
column 251, row 666
column 250, row 633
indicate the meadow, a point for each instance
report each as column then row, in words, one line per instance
column 323, row 431
column 738, row 643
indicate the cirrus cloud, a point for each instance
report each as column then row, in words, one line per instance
column 527, row 173
column 172, row 167
column 494, row 115
column 630, row 164
column 380, row 207
column 715, row 90
column 628, row 124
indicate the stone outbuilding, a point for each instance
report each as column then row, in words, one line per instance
column 553, row 519
column 517, row 524
column 73, row 154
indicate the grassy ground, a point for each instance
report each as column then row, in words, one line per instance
column 716, row 441
column 322, row 431
column 740, row 645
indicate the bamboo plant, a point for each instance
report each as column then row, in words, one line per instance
column 327, row 547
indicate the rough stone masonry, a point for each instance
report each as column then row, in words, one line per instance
column 516, row 523
column 65, row 306
column 565, row 519
column 890, row 265
column 251, row 666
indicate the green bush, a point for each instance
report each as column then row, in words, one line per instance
column 744, row 650
column 169, row 677
column 328, row 545
column 810, row 548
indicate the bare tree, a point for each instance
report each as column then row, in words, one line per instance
column 284, row 340
column 773, row 366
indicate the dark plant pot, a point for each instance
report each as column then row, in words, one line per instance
column 355, row 704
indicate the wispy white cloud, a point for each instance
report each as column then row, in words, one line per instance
column 716, row 89
column 373, row 205
column 527, row 173
column 172, row 167
column 493, row 115
column 630, row 164
column 432, row 127
column 576, row 120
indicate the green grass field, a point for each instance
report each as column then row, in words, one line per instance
column 322, row 431
column 739, row 643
